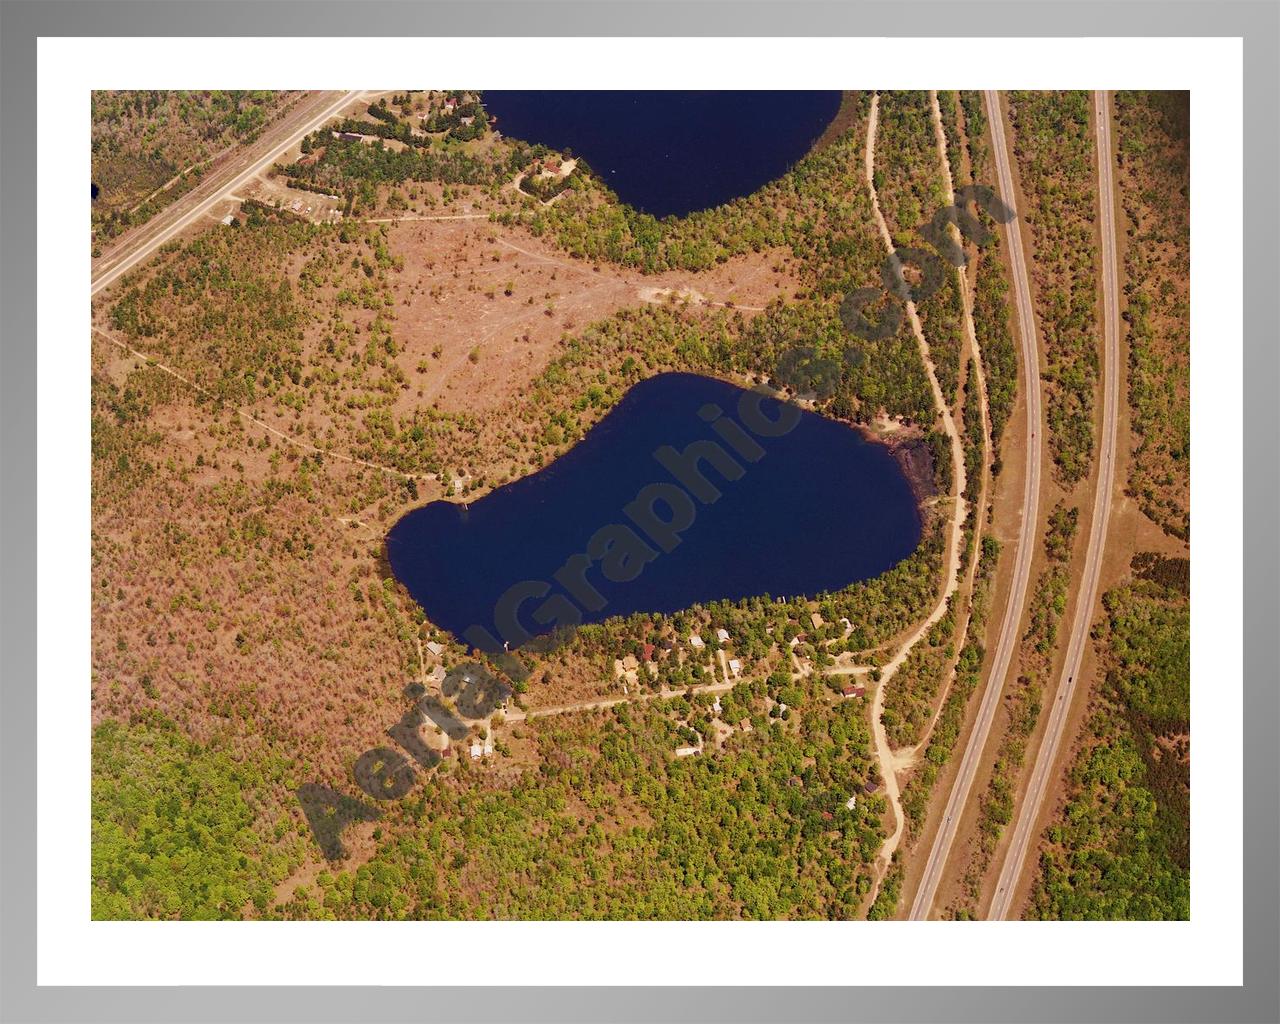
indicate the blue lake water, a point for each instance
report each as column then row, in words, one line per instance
column 672, row 152
column 628, row 520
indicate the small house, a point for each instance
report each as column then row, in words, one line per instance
column 722, row 635
column 434, row 648
column 872, row 786
column 817, row 621
column 695, row 641
column 437, row 675
column 735, row 666
column 687, row 751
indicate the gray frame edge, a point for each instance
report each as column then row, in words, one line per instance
column 23, row 21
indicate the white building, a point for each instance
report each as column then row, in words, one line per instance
column 722, row 635
column 696, row 643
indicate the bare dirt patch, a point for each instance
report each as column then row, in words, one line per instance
column 482, row 308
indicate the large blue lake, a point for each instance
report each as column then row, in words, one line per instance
column 689, row 490
column 672, row 152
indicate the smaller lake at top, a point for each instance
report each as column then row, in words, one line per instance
column 672, row 152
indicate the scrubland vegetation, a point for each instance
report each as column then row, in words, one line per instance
column 991, row 302
column 149, row 147
column 912, row 189
column 1054, row 144
column 1022, row 703
column 1154, row 182
column 942, row 740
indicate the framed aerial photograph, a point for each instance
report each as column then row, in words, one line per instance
column 520, row 512
column 641, row 504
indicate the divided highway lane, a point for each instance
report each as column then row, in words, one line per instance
column 136, row 245
column 1024, row 829
column 1009, row 632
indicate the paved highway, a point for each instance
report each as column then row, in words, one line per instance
column 1024, row 830
column 1009, row 631
column 313, row 110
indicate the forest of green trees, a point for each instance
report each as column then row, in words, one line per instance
column 177, row 832
column 609, row 826
column 1121, row 848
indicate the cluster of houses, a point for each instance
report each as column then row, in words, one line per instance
column 434, row 678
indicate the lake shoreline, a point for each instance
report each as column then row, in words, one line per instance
column 472, row 564
column 845, row 120
column 915, row 458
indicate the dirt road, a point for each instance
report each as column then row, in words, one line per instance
column 951, row 572
column 134, row 246
column 1009, row 633
column 1024, row 827
column 613, row 702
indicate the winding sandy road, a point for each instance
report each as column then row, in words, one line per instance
column 1029, row 814
column 951, row 573
column 906, row 756
column 1009, row 633
column 613, row 702
column 136, row 245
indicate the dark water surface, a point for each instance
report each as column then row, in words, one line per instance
column 672, row 152
column 813, row 507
